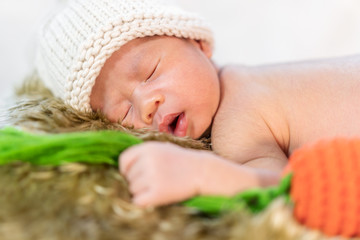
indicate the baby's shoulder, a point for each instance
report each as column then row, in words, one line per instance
column 242, row 85
column 248, row 112
column 243, row 91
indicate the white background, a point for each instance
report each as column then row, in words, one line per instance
column 246, row 31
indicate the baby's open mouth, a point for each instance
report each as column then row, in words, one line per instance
column 172, row 125
column 175, row 124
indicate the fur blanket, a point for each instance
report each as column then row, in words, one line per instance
column 79, row 201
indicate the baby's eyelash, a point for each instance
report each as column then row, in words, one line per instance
column 152, row 73
column 127, row 112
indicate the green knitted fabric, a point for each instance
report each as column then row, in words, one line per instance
column 104, row 147
column 94, row 147
column 255, row 199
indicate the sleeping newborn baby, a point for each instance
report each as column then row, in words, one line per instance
column 148, row 65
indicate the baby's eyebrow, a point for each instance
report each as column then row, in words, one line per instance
column 135, row 66
column 140, row 60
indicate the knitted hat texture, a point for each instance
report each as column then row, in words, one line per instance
column 75, row 43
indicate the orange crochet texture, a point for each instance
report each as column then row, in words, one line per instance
column 326, row 186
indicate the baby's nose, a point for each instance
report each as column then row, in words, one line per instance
column 150, row 107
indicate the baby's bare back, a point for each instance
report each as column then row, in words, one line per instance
column 273, row 110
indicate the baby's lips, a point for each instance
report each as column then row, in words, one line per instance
column 163, row 128
column 164, row 125
column 181, row 126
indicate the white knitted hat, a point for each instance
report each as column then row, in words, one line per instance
column 75, row 43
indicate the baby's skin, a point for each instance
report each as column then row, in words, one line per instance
column 258, row 115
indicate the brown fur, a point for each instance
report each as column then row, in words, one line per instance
column 78, row 201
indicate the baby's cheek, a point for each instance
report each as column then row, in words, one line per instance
column 128, row 124
column 112, row 118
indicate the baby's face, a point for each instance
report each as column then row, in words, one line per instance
column 161, row 83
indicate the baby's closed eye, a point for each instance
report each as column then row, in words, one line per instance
column 126, row 112
column 153, row 71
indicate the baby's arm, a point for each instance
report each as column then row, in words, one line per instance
column 163, row 173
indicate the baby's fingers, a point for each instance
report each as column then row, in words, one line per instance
column 127, row 159
column 138, row 187
column 145, row 199
column 136, row 171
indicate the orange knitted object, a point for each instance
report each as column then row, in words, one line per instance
column 326, row 186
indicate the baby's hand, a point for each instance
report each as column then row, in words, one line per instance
column 161, row 173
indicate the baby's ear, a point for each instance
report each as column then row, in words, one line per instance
column 204, row 46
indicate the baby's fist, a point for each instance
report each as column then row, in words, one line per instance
column 160, row 173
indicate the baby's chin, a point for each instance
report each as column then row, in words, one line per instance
column 206, row 133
